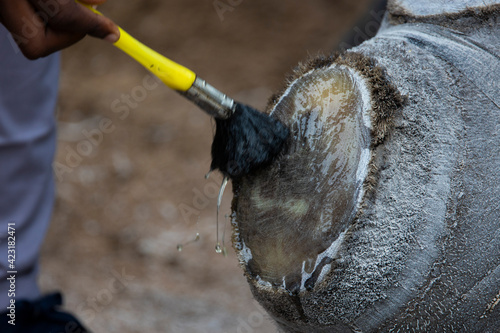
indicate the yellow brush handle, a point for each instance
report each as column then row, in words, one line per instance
column 171, row 73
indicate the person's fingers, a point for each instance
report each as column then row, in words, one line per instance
column 26, row 27
column 68, row 16
column 45, row 26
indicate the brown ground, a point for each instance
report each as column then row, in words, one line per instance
column 119, row 210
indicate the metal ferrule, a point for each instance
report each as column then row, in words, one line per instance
column 211, row 100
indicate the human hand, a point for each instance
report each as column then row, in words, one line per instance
column 41, row 27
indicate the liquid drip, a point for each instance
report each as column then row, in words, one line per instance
column 180, row 247
column 224, row 235
column 218, row 248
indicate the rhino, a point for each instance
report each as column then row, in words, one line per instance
column 383, row 212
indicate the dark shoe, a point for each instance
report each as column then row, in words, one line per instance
column 40, row 316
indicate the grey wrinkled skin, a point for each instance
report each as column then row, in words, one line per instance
column 424, row 255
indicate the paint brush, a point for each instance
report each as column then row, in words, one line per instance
column 245, row 139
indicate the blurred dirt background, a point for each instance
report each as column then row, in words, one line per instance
column 137, row 189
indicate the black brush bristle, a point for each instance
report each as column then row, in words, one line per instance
column 246, row 141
